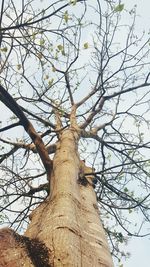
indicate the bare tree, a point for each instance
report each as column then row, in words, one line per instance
column 73, row 141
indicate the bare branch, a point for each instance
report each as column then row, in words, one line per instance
column 13, row 106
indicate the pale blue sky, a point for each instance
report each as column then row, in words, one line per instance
column 139, row 247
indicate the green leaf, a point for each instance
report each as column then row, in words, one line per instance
column 53, row 69
column 50, row 82
column 126, row 189
column 60, row 47
column 119, row 8
column 18, row 66
column 63, row 52
column 86, row 45
column 34, row 35
column 29, row 19
column 73, row 2
column 66, row 16
column 46, row 77
column 4, row 49
column 42, row 41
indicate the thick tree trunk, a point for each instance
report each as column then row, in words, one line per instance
column 65, row 230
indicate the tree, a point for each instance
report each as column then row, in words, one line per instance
column 82, row 99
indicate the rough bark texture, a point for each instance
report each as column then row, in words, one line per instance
column 66, row 226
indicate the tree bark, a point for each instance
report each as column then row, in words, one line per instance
column 65, row 230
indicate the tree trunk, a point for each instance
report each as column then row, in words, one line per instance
column 65, row 230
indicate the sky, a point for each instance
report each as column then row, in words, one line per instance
column 139, row 248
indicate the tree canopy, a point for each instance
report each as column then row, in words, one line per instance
column 58, row 55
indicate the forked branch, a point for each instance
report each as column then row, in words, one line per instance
column 8, row 101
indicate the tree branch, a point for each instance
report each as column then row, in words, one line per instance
column 127, row 90
column 10, row 126
column 7, row 99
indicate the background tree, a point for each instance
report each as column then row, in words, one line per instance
column 64, row 66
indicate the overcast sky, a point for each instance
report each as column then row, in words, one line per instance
column 139, row 247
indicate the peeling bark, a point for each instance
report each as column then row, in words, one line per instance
column 12, row 254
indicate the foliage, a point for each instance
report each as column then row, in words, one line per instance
column 119, row 8
column 59, row 53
